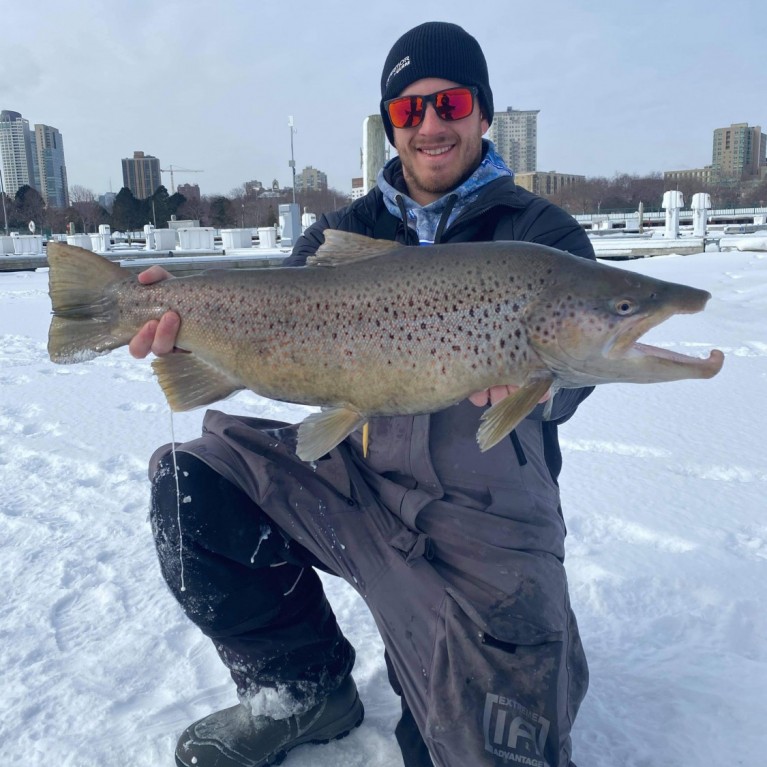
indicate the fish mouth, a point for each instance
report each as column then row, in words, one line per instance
column 657, row 362
column 580, row 359
column 702, row 367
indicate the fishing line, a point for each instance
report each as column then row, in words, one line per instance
column 178, row 500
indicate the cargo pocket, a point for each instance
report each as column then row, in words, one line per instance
column 496, row 687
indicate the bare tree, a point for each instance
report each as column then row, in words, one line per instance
column 90, row 213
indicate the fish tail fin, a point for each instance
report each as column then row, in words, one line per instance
column 84, row 322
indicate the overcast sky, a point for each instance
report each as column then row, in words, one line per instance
column 634, row 87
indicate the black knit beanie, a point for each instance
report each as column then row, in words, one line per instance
column 435, row 49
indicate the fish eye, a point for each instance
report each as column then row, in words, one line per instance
column 624, row 306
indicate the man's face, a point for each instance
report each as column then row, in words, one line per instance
column 437, row 155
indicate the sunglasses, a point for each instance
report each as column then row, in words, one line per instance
column 450, row 104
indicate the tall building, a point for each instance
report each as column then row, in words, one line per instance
column 49, row 166
column 32, row 158
column 16, row 152
column 739, row 151
column 515, row 135
column 311, row 180
column 141, row 174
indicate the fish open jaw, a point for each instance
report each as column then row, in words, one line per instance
column 711, row 364
column 625, row 346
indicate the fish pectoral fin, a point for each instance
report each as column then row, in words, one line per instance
column 189, row 382
column 347, row 247
column 500, row 420
column 321, row 432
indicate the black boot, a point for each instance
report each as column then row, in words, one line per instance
column 235, row 738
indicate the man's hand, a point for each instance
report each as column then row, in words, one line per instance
column 157, row 336
column 497, row 393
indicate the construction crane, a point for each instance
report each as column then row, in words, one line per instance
column 171, row 169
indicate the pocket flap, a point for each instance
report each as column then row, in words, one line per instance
column 508, row 621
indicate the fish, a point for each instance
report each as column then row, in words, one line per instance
column 371, row 328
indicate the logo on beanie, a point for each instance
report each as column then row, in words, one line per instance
column 397, row 69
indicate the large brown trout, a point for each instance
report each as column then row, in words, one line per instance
column 374, row 328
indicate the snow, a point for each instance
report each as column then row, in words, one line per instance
column 664, row 491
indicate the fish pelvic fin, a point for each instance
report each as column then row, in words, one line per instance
column 84, row 323
column 319, row 433
column 500, row 420
column 346, row 247
column 189, row 382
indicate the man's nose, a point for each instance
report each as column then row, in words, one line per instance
column 431, row 121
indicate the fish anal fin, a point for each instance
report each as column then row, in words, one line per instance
column 189, row 382
column 346, row 247
column 499, row 420
column 319, row 433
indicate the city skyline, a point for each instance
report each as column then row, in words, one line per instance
column 619, row 90
column 737, row 149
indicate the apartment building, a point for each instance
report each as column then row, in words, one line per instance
column 515, row 135
column 141, row 174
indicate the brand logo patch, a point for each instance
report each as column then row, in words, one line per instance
column 514, row 733
column 398, row 68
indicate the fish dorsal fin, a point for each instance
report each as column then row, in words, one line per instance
column 346, row 247
column 501, row 418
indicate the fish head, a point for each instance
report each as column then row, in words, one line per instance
column 586, row 329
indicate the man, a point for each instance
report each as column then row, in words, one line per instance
column 458, row 554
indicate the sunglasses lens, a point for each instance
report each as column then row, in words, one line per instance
column 406, row 112
column 454, row 104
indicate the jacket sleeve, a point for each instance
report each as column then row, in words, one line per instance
column 548, row 224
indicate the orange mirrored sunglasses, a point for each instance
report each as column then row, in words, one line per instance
column 450, row 104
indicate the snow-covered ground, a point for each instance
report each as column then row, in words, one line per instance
column 665, row 496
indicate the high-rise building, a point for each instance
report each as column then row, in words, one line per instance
column 311, row 180
column 50, row 170
column 141, row 174
column 16, row 152
column 739, row 151
column 32, row 158
column 515, row 135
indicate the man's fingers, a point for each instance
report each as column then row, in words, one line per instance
column 479, row 398
column 153, row 274
column 141, row 344
column 157, row 336
column 165, row 335
column 495, row 394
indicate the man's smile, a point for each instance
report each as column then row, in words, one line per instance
column 436, row 151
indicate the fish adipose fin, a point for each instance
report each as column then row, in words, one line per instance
column 346, row 247
column 189, row 382
column 84, row 323
column 501, row 418
column 319, row 433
